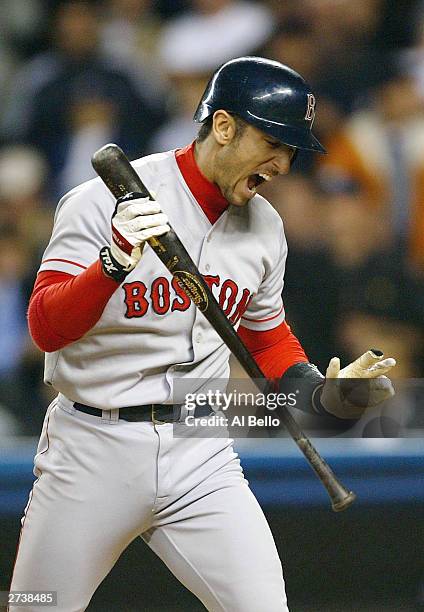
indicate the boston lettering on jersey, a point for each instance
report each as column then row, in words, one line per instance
column 164, row 296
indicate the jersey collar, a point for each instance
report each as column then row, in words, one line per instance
column 207, row 194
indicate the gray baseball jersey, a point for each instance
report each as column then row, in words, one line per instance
column 149, row 333
column 101, row 482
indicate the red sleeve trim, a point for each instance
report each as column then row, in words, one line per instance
column 274, row 350
column 63, row 307
column 74, row 263
column 267, row 319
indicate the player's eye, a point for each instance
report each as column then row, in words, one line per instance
column 274, row 144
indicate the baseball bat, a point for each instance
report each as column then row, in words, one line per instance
column 116, row 171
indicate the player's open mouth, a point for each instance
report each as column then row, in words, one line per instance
column 254, row 180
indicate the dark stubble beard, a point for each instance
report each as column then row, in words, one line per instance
column 226, row 164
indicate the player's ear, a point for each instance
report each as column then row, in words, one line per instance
column 223, row 127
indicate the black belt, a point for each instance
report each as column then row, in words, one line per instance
column 163, row 413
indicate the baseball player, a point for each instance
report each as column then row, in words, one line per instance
column 119, row 334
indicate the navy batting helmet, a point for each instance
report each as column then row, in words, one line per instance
column 267, row 94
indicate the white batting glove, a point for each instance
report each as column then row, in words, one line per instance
column 347, row 397
column 135, row 220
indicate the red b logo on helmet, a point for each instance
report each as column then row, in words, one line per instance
column 310, row 111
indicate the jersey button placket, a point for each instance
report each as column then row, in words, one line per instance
column 205, row 266
column 197, row 336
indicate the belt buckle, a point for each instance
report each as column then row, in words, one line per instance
column 155, row 421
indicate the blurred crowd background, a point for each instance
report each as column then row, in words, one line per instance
column 75, row 75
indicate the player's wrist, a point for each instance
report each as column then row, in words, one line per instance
column 306, row 382
column 111, row 267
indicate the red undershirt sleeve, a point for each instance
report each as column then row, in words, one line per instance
column 274, row 350
column 64, row 307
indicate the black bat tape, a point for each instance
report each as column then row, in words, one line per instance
column 114, row 168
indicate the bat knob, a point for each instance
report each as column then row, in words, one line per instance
column 342, row 504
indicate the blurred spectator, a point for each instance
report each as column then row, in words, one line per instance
column 45, row 108
column 341, row 262
column 354, row 230
column 13, row 331
column 351, row 61
column 412, row 58
column 214, row 32
column 92, row 117
column 180, row 130
column 379, row 153
column 310, row 293
column 192, row 46
column 346, row 291
column 396, row 25
column 23, row 205
column 168, row 9
column 8, row 424
column 290, row 9
column 128, row 37
column 294, row 44
column 380, row 304
column 21, row 22
column 25, row 224
column 342, row 22
column 14, row 339
column 358, row 331
column 21, row 25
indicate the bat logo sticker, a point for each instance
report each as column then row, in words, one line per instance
column 193, row 289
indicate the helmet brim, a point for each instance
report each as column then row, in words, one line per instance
column 298, row 137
